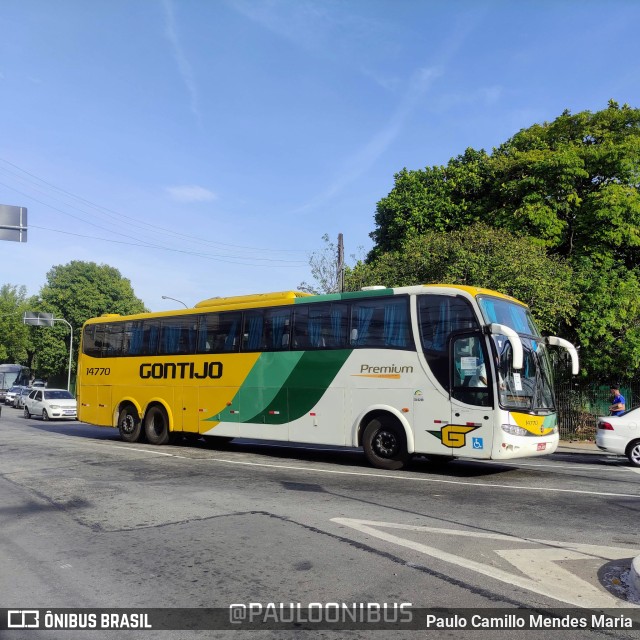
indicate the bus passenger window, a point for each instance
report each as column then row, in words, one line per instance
column 253, row 338
column 113, row 339
column 277, row 328
column 177, row 336
column 439, row 316
column 133, row 338
column 92, row 341
column 218, row 332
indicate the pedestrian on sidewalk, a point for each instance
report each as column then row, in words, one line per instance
column 617, row 407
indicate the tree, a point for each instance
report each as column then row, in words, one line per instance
column 324, row 269
column 572, row 186
column 479, row 256
column 433, row 199
column 608, row 330
column 15, row 339
column 76, row 292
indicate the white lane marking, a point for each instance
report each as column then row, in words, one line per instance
column 633, row 469
column 516, row 463
column 407, row 477
column 543, row 576
column 157, row 453
column 512, row 463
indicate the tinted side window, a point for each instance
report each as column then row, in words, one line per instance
column 253, row 338
column 91, row 341
column 320, row 326
column 439, row 316
column 133, row 338
column 277, row 325
column 150, row 337
column 177, row 335
column 219, row 332
column 381, row 323
column 113, row 339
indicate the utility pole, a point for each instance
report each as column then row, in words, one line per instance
column 340, row 263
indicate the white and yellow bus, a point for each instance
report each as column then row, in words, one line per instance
column 439, row 370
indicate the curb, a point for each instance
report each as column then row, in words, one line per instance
column 634, row 576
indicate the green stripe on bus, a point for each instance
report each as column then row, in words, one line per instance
column 262, row 383
column 302, row 390
column 348, row 295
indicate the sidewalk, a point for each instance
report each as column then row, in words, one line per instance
column 580, row 446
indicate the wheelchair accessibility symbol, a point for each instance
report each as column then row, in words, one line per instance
column 477, row 443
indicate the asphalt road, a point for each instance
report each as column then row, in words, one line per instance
column 89, row 521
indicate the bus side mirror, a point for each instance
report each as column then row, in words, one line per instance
column 573, row 352
column 514, row 338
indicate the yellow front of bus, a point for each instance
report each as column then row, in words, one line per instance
column 527, row 416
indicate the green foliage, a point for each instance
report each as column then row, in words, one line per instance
column 609, row 328
column 570, row 187
column 15, row 340
column 436, row 198
column 479, row 256
column 558, row 182
column 76, row 292
column 82, row 290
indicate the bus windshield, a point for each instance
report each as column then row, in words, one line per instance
column 531, row 388
column 511, row 314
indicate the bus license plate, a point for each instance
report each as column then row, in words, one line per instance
column 542, row 446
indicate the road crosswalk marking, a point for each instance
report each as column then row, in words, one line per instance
column 538, row 563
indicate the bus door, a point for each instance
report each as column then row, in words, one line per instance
column 95, row 406
column 190, row 409
column 470, row 432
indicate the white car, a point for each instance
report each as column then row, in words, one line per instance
column 621, row 434
column 50, row 403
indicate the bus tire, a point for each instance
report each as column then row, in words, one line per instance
column 385, row 444
column 633, row 453
column 156, row 425
column 129, row 424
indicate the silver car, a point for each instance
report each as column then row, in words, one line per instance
column 11, row 394
column 18, row 401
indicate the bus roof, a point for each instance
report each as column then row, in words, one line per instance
column 279, row 298
column 254, row 299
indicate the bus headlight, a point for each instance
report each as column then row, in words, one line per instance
column 514, row 430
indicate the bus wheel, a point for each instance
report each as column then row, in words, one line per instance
column 385, row 444
column 156, row 425
column 129, row 424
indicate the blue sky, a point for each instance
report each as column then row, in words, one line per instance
column 203, row 147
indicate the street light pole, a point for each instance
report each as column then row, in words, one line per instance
column 38, row 319
column 175, row 300
column 70, row 350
